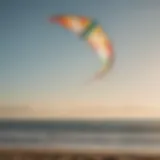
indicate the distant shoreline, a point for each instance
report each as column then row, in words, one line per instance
column 96, row 113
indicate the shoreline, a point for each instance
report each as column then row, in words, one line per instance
column 60, row 154
column 93, row 152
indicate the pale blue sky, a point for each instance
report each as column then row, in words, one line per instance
column 42, row 63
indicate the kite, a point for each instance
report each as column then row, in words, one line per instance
column 92, row 32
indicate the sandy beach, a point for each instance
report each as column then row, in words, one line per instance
column 34, row 154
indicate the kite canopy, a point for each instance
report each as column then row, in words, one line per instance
column 91, row 31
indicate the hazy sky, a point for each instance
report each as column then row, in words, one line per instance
column 42, row 64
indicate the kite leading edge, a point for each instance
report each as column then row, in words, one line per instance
column 91, row 31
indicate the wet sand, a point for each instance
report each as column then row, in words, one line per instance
column 35, row 154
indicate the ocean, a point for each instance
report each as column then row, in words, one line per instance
column 113, row 134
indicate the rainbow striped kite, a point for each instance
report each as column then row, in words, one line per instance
column 91, row 31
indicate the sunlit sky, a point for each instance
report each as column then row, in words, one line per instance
column 42, row 64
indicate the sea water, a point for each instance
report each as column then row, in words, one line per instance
column 115, row 134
